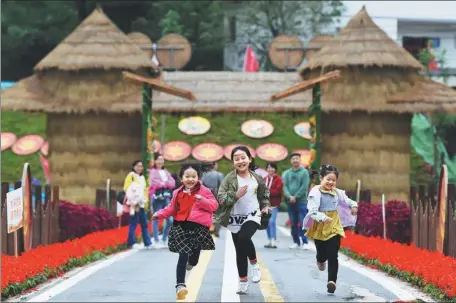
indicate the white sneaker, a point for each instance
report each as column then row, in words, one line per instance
column 156, row 245
column 256, row 273
column 164, row 244
column 305, row 246
column 294, row 246
column 138, row 246
column 188, row 267
column 181, row 292
column 243, row 288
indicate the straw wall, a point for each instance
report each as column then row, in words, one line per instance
column 87, row 149
column 374, row 148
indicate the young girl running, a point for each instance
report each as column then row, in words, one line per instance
column 330, row 210
column 192, row 206
column 244, row 208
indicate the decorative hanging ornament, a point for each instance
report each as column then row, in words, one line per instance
column 27, row 145
column 302, row 129
column 208, row 152
column 272, row 152
column 8, row 139
column 176, row 150
column 194, row 125
column 257, row 128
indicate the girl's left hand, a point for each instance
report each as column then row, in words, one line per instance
column 354, row 211
column 265, row 210
column 198, row 197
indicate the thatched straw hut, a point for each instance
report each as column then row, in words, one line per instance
column 362, row 134
column 94, row 119
column 316, row 41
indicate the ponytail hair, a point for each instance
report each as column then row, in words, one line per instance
column 243, row 148
column 327, row 169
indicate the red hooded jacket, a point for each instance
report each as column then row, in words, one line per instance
column 275, row 189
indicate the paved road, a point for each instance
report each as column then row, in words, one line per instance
column 287, row 276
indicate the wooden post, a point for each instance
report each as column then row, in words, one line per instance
column 16, row 244
column 384, row 216
column 147, row 127
column 315, row 116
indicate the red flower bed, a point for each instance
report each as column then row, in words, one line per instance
column 78, row 220
column 54, row 259
column 432, row 268
column 398, row 228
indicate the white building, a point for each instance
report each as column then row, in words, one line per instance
column 412, row 24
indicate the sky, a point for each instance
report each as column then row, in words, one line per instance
column 443, row 10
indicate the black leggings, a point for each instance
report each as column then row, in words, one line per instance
column 244, row 246
column 182, row 264
column 328, row 250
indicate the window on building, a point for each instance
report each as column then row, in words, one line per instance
column 232, row 22
column 414, row 44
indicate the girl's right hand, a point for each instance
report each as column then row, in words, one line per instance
column 154, row 217
column 242, row 191
column 327, row 219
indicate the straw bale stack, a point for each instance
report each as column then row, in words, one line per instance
column 94, row 119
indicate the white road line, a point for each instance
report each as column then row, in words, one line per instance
column 399, row 288
column 230, row 274
column 71, row 281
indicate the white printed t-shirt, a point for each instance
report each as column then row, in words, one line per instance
column 247, row 208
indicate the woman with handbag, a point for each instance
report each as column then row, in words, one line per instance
column 161, row 186
column 244, row 208
column 135, row 188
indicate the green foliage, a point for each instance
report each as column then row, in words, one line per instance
column 30, row 30
column 262, row 21
column 226, row 129
column 21, row 124
column 171, row 23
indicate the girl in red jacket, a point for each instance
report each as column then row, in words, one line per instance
column 275, row 185
column 192, row 206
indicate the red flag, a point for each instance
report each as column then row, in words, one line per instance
column 250, row 61
column 46, row 169
column 432, row 65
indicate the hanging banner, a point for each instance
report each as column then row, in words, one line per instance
column 28, row 207
column 257, row 128
column 45, row 149
column 14, row 209
column 443, row 204
column 194, row 125
column 46, row 169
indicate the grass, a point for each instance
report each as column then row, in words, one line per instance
column 226, row 129
column 21, row 124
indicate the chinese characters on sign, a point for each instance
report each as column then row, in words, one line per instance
column 15, row 210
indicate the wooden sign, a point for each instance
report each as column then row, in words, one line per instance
column 194, row 125
column 27, row 207
column 229, row 148
column 173, row 51
column 257, row 128
column 27, row 145
column 15, row 210
column 305, row 156
column 176, row 150
column 209, row 152
column 272, row 152
column 8, row 139
column 302, row 129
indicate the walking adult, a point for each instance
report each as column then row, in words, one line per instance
column 275, row 185
column 135, row 188
column 161, row 186
column 295, row 185
column 244, row 207
column 212, row 180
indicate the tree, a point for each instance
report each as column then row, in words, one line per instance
column 262, row 21
column 30, row 30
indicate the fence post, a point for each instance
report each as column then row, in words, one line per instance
column 5, row 238
column 55, row 218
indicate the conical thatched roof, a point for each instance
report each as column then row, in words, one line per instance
column 427, row 95
column 362, row 43
column 96, row 43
